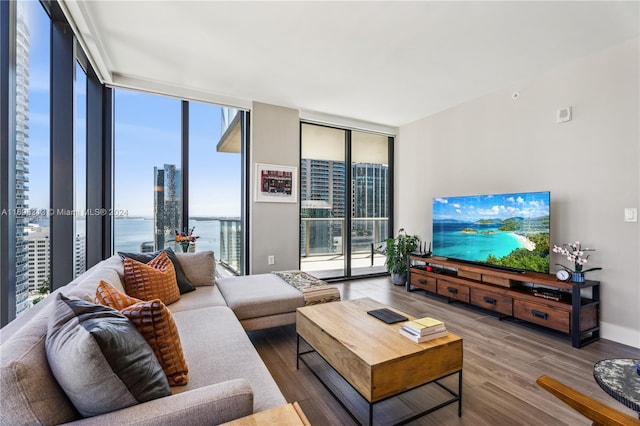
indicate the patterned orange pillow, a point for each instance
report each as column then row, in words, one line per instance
column 108, row 295
column 154, row 280
column 154, row 322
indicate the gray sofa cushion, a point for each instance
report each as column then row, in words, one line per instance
column 225, row 354
column 117, row 366
column 205, row 297
column 29, row 393
column 254, row 296
column 200, row 267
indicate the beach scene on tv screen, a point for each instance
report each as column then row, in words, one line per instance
column 506, row 230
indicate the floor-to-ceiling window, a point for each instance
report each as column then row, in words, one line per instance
column 80, row 164
column 32, row 130
column 345, row 201
column 323, row 205
column 157, row 188
column 370, row 201
column 147, row 171
column 215, row 181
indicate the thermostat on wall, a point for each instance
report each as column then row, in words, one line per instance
column 563, row 115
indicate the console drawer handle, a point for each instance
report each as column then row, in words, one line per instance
column 452, row 290
column 539, row 314
column 489, row 300
column 422, row 281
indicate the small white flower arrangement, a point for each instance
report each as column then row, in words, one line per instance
column 574, row 253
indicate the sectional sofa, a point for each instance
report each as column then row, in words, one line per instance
column 227, row 378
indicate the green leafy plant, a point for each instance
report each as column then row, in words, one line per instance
column 398, row 249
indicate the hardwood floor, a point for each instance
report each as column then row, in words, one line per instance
column 502, row 360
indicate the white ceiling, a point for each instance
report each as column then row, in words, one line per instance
column 386, row 62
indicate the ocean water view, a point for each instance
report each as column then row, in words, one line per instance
column 451, row 242
column 130, row 233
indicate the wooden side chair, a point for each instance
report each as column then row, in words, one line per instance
column 599, row 413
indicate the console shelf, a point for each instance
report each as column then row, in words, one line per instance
column 559, row 305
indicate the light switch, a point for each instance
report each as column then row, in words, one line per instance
column 630, row 214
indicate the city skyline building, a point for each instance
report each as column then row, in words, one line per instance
column 39, row 254
column 323, row 204
column 167, row 214
column 22, row 160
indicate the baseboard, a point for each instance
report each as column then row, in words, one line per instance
column 624, row 335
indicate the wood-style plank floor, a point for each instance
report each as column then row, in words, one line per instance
column 502, row 360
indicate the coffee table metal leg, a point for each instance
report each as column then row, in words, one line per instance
column 460, row 393
column 370, row 414
column 297, row 351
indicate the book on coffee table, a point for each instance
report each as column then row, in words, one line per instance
column 424, row 326
column 422, row 338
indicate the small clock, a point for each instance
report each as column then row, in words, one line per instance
column 563, row 275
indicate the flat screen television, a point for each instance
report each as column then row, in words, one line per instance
column 508, row 231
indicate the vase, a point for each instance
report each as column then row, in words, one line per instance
column 398, row 279
column 184, row 245
column 577, row 277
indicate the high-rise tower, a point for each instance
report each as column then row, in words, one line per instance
column 167, row 211
column 22, row 160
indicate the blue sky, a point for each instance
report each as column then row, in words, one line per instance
column 502, row 206
column 147, row 134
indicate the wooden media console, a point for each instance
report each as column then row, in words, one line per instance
column 533, row 297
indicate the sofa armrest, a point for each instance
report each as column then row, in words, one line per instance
column 209, row 405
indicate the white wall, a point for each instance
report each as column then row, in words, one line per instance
column 274, row 227
column 591, row 166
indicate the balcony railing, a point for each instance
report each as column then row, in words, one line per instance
column 323, row 250
column 231, row 244
column 325, row 236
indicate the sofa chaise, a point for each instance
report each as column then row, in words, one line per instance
column 227, row 378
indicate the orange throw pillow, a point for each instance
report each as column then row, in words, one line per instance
column 154, row 280
column 154, row 322
column 108, row 295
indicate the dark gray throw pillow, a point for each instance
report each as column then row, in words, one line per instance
column 100, row 359
column 184, row 285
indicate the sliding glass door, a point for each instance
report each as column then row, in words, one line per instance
column 345, row 201
column 322, row 201
column 370, row 201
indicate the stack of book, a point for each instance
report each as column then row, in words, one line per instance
column 423, row 329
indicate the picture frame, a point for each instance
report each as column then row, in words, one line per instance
column 276, row 184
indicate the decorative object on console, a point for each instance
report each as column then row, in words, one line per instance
column 397, row 251
column 186, row 238
column 574, row 253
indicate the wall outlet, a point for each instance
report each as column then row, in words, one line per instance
column 630, row 214
column 271, row 260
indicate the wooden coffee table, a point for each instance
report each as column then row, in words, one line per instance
column 373, row 357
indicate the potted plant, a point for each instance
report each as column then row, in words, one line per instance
column 397, row 251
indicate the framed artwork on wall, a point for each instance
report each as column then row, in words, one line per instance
column 276, row 184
